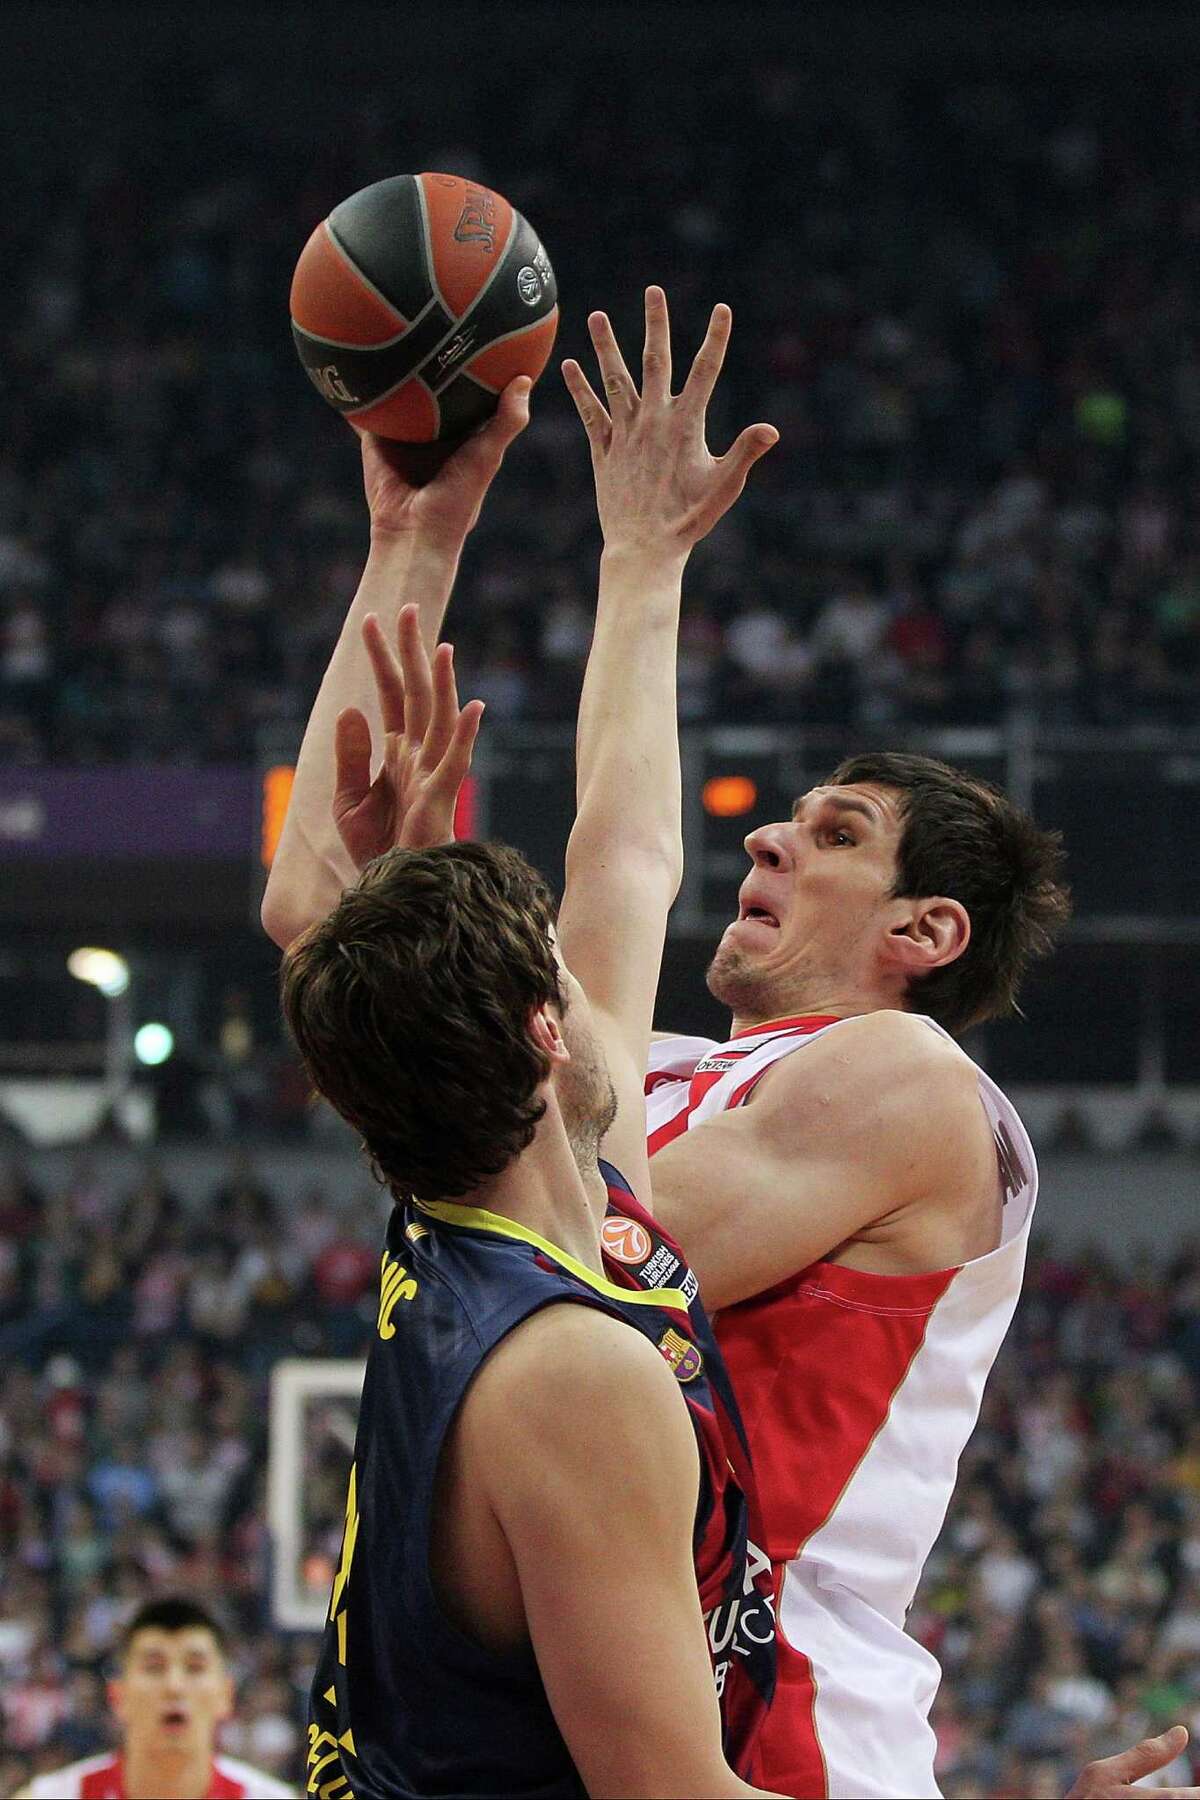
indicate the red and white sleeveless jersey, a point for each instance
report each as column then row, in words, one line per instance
column 103, row 1778
column 859, row 1392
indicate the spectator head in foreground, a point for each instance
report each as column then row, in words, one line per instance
column 900, row 882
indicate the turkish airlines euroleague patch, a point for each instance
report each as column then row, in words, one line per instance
column 647, row 1254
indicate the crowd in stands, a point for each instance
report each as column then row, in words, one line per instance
column 137, row 1335
column 969, row 305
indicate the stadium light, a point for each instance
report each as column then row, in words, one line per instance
column 153, row 1043
column 727, row 796
column 102, row 969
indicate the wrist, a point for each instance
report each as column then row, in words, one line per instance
column 640, row 562
column 416, row 537
column 388, row 548
column 404, row 557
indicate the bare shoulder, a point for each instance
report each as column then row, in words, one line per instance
column 570, row 1374
column 879, row 1054
column 575, row 1418
column 883, row 1082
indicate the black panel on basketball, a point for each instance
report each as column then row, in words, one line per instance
column 383, row 223
column 368, row 373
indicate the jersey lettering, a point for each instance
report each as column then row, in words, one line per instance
column 395, row 1285
column 1013, row 1175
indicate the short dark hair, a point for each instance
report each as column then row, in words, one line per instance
column 172, row 1612
column 410, row 1005
column 962, row 837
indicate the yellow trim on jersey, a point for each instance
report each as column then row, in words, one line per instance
column 476, row 1219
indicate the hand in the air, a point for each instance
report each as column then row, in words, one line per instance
column 658, row 487
column 427, row 488
column 427, row 746
column 1113, row 1776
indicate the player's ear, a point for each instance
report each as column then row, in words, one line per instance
column 928, row 935
column 227, row 1699
column 546, row 1032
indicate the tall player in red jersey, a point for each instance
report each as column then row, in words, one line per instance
column 855, row 1197
column 171, row 1694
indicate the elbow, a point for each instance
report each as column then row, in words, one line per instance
column 672, row 867
column 280, row 924
column 661, row 862
column 656, row 858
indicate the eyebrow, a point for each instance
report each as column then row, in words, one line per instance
column 842, row 805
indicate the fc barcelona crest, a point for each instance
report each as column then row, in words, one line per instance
column 685, row 1360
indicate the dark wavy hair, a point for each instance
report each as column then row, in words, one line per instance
column 963, row 838
column 410, row 1005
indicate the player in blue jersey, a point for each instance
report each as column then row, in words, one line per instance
column 545, row 1557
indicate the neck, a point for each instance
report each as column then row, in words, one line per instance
column 166, row 1774
column 843, row 1001
column 751, row 1022
column 554, row 1188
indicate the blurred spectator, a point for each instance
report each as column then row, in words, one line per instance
column 1063, row 1598
column 983, row 363
column 1096, row 1637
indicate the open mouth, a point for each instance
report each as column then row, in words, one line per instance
column 175, row 1718
column 759, row 915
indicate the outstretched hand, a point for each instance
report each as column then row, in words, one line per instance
column 1113, row 1776
column 658, row 487
column 427, row 746
column 436, row 489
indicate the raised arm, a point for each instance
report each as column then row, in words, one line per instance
column 659, row 491
column 417, row 535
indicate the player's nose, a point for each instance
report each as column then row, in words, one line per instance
column 767, row 846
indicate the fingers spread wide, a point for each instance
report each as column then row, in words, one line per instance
column 618, row 382
column 656, row 355
column 416, row 675
column 444, row 712
column 596, row 421
column 352, row 759
column 710, row 359
column 389, row 682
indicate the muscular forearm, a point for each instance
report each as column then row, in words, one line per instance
column 311, row 866
column 627, row 745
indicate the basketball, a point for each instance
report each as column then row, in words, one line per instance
column 415, row 303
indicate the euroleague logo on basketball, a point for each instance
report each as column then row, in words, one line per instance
column 625, row 1240
column 529, row 285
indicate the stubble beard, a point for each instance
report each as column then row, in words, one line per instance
column 588, row 1101
column 735, row 980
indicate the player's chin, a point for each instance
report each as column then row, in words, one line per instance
column 746, row 942
column 732, row 963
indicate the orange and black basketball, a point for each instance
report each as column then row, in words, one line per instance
column 417, row 300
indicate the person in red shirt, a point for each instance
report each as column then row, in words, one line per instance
column 172, row 1692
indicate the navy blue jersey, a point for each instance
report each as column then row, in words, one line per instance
column 733, row 1572
column 403, row 1703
